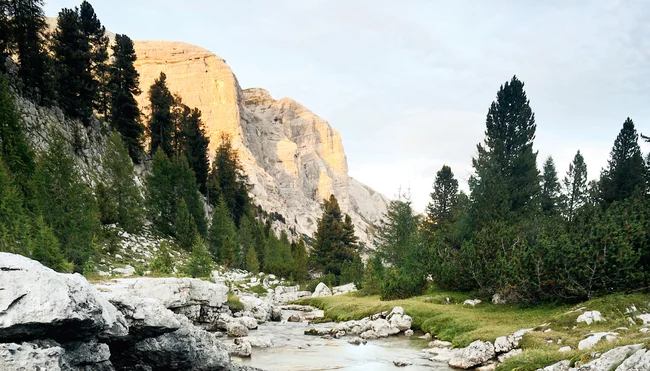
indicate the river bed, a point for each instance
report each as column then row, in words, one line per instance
column 292, row 350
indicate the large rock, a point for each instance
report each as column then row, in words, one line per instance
column 504, row 344
column 171, row 292
column 236, row 329
column 590, row 317
column 639, row 361
column 39, row 303
column 260, row 309
column 146, row 317
column 560, row 366
column 292, row 157
column 321, row 290
column 241, row 348
column 473, row 355
column 51, row 356
column 610, row 359
column 188, row 348
column 591, row 340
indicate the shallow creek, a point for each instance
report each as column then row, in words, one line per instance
column 292, row 350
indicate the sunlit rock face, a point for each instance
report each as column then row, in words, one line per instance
column 293, row 158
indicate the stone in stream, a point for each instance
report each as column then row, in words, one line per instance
column 402, row 362
column 241, row 348
column 357, row 341
column 295, row 318
column 236, row 329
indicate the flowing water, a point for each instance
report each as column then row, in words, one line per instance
column 292, row 350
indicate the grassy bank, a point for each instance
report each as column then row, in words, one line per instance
column 555, row 325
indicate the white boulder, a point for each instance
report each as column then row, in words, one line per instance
column 321, row 290
column 610, row 359
column 593, row 339
column 590, row 317
column 638, row 361
column 473, row 355
column 472, row 302
column 37, row 302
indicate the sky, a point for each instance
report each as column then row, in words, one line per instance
column 408, row 83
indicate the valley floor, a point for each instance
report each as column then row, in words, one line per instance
column 555, row 326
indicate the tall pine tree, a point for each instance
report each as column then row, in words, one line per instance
column 626, row 171
column 124, row 113
column 34, row 63
column 227, row 178
column 74, row 81
column 161, row 120
column 550, row 188
column 97, row 41
column 575, row 186
column 222, row 236
column 6, row 34
column 117, row 192
column 507, row 180
column 192, row 142
column 443, row 197
column 334, row 240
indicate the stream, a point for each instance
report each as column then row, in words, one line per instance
column 292, row 350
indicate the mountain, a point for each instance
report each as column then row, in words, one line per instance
column 293, row 157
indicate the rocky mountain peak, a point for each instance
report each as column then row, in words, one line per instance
column 293, row 158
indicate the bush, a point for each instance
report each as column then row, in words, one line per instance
column 163, row 262
column 400, row 285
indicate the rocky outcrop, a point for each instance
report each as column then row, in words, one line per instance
column 39, row 303
column 321, row 290
column 54, row 321
column 293, row 158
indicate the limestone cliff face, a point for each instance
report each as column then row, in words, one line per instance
column 293, row 158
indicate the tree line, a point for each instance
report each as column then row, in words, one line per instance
column 525, row 235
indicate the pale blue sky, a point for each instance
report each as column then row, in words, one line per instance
column 408, row 83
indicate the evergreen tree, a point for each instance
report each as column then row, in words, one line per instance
column 373, row 275
column 246, row 241
column 46, row 248
column 184, row 227
column 300, row 261
column 167, row 184
column 550, row 188
column 161, row 193
column 75, row 85
column 14, row 222
column 192, row 142
column 34, row 63
column 186, row 188
column 66, row 202
column 222, row 237
column 506, row 181
column 97, row 41
column 200, row 263
column 6, row 34
column 252, row 264
column 277, row 256
column 397, row 233
column 14, row 146
column 123, row 110
column 352, row 271
column 334, row 240
column 161, row 121
column 118, row 195
column 626, row 170
column 227, row 178
column 443, row 197
column 163, row 262
column 575, row 186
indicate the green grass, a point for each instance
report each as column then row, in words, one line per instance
column 234, row 304
column 463, row 324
